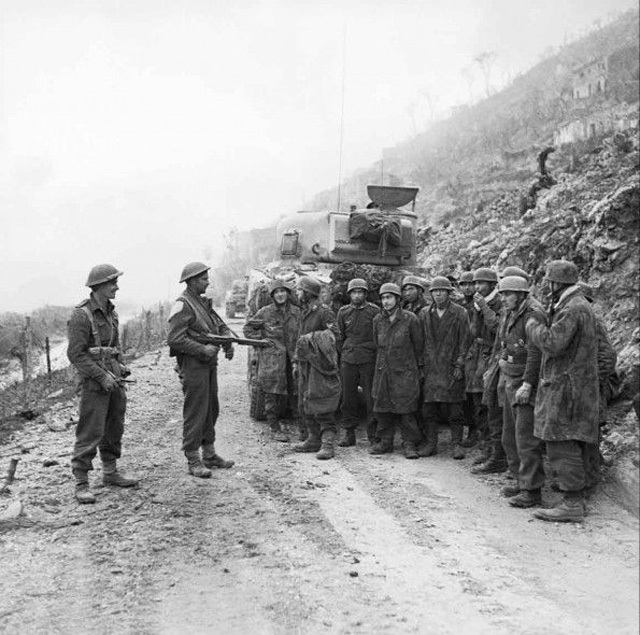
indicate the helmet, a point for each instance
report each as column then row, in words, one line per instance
column 513, row 283
column 466, row 276
column 357, row 283
column 193, row 269
column 484, row 274
column 390, row 287
column 587, row 290
column 102, row 273
column 562, row 271
column 278, row 283
column 310, row 285
column 414, row 280
column 514, row 271
column 440, row 282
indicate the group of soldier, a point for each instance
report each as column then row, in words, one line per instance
column 480, row 352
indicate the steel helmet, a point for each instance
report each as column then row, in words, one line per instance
column 440, row 282
column 514, row 271
column 587, row 290
column 310, row 285
column 390, row 287
column 414, row 280
column 193, row 269
column 278, row 283
column 562, row 271
column 357, row 283
column 102, row 273
column 513, row 283
column 466, row 276
column 485, row 274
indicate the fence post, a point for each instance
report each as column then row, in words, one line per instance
column 47, row 348
column 26, row 360
column 162, row 324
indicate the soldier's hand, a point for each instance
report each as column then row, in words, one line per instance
column 125, row 371
column 210, row 350
column 478, row 298
column 523, row 394
column 108, row 383
column 228, row 353
column 295, row 372
column 458, row 373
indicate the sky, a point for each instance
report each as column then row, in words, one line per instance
column 138, row 132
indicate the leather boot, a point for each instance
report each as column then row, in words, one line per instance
column 303, row 431
column 195, row 466
column 372, row 435
column 527, row 498
column 212, row 460
column 277, row 433
column 326, row 449
column 384, row 446
column 483, row 457
column 508, row 491
column 111, row 476
column 83, row 493
column 471, row 439
column 410, row 450
column 571, row 509
column 456, row 441
column 429, row 446
column 312, row 442
column 348, row 438
column 492, row 466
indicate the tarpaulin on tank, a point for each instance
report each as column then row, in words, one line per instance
column 375, row 227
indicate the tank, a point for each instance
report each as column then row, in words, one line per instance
column 236, row 298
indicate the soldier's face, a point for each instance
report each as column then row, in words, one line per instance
column 201, row 282
column 440, row 297
column 410, row 292
column 468, row 288
column 389, row 301
column 108, row 289
column 358, row 296
column 280, row 296
column 509, row 300
column 483, row 287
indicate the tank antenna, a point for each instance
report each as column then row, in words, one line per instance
column 344, row 64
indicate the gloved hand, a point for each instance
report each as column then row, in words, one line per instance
column 523, row 394
column 108, row 383
column 228, row 353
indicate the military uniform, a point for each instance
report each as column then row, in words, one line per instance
column 94, row 351
column 192, row 318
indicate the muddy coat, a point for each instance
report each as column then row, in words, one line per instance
column 415, row 307
column 279, row 325
column 355, row 341
column 567, row 402
column 607, row 377
column 446, row 340
column 484, row 326
column 399, row 355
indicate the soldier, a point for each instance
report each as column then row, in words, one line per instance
column 316, row 367
column 520, row 367
column 484, row 324
column 446, row 336
column 468, row 290
column 278, row 322
column 396, row 383
column 191, row 321
column 358, row 351
column 94, row 351
column 566, row 411
column 413, row 294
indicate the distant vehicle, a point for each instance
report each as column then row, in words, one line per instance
column 377, row 243
column 236, row 298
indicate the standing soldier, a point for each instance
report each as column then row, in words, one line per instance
column 446, row 339
column 279, row 323
column 468, row 289
column 396, row 383
column 316, row 367
column 520, row 367
column 566, row 411
column 358, row 352
column 93, row 350
column 191, row 322
column 413, row 294
column 485, row 316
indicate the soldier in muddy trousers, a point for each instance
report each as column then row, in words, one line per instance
column 191, row 321
column 93, row 350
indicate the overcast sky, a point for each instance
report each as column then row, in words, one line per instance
column 138, row 132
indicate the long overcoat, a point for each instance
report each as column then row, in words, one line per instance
column 483, row 328
column 399, row 346
column 446, row 340
column 567, row 402
column 279, row 325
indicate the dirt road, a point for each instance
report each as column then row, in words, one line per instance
column 284, row 543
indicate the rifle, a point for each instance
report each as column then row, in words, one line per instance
column 225, row 340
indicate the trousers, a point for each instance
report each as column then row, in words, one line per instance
column 567, row 461
column 100, row 425
column 387, row 422
column 354, row 375
column 436, row 412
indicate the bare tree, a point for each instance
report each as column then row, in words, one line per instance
column 485, row 61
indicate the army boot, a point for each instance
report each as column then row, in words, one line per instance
column 277, row 433
column 384, row 446
column 509, row 491
column 312, row 442
column 410, row 450
column 326, row 449
column 527, row 498
column 111, row 476
column 303, row 431
column 83, row 493
column 571, row 509
column 484, row 456
column 492, row 466
column 429, row 446
column 348, row 438
column 195, row 466
column 471, row 438
column 372, row 431
column 456, row 440
column 212, row 460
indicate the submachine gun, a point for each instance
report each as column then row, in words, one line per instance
column 225, row 340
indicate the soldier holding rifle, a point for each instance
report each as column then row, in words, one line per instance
column 93, row 350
